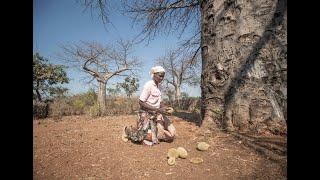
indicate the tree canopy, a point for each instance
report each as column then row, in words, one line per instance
column 47, row 78
column 130, row 85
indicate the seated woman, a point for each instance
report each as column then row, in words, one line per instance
column 151, row 113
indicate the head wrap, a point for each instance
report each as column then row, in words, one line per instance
column 156, row 69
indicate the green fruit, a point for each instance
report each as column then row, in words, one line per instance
column 182, row 152
column 203, row 146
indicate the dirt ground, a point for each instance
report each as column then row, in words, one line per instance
column 79, row 147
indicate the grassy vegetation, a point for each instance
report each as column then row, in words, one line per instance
column 86, row 104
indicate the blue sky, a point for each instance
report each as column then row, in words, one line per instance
column 58, row 22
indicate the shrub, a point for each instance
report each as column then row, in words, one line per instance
column 121, row 105
column 86, row 103
column 94, row 111
column 78, row 106
column 190, row 104
column 40, row 109
column 60, row 107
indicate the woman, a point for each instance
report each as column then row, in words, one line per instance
column 151, row 113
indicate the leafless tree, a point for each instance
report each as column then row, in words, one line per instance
column 103, row 6
column 163, row 16
column 101, row 63
column 168, row 92
column 180, row 69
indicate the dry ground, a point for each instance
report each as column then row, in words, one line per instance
column 79, row 147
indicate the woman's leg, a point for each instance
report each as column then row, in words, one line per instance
column 165, row 132
column 169, row 126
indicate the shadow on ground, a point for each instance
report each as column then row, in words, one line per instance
column 193, row 117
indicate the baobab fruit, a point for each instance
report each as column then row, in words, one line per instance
column 173, row 153
column 172, row 161
column 202, row 146
column 169, row 110
column 182, row 152
column 196, row 160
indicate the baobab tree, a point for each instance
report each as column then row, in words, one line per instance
column 243, row 50
column 101, row 63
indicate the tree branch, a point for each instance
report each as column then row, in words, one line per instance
column 90, row 71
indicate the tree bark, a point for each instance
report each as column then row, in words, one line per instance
column 178, row 94
column 243, row 51
column 38, row 93
column 212, row 81
column 102, row 97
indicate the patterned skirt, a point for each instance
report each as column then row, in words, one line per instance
column 150, row 128
column 145, row 129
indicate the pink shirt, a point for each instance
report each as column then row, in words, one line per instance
column 151, row 94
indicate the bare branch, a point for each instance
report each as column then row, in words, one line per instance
column 181, row 67
column 101, row 5
column 163, row 16
column 102, row 63
column 168, row 82
column 90, row 71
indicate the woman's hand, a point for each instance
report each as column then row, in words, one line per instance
column 161, row 110
column 169, row 110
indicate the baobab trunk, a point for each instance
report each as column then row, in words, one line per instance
column 102, row 97
column 243, row 79
column 178, row 94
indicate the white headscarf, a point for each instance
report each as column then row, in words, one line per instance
column 156, row 69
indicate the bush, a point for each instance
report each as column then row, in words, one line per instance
column 40, row 109
column 74, row 105
column 190, row 104
column 94, row 110
column 86, row 103
column 60, row 107
column 121, row 106
column 78, row 106
column 82, row 102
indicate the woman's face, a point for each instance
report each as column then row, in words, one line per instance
column 158, row 77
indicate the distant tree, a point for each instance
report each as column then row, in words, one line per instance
column 101, row 63
column 58, row 92
column 180, row 69
column 184, row 95
column 114, row 91
column 167, row 91
column 130, row 85
column 47, row 78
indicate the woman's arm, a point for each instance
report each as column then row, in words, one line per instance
column 146, row 106
column 162, row 105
